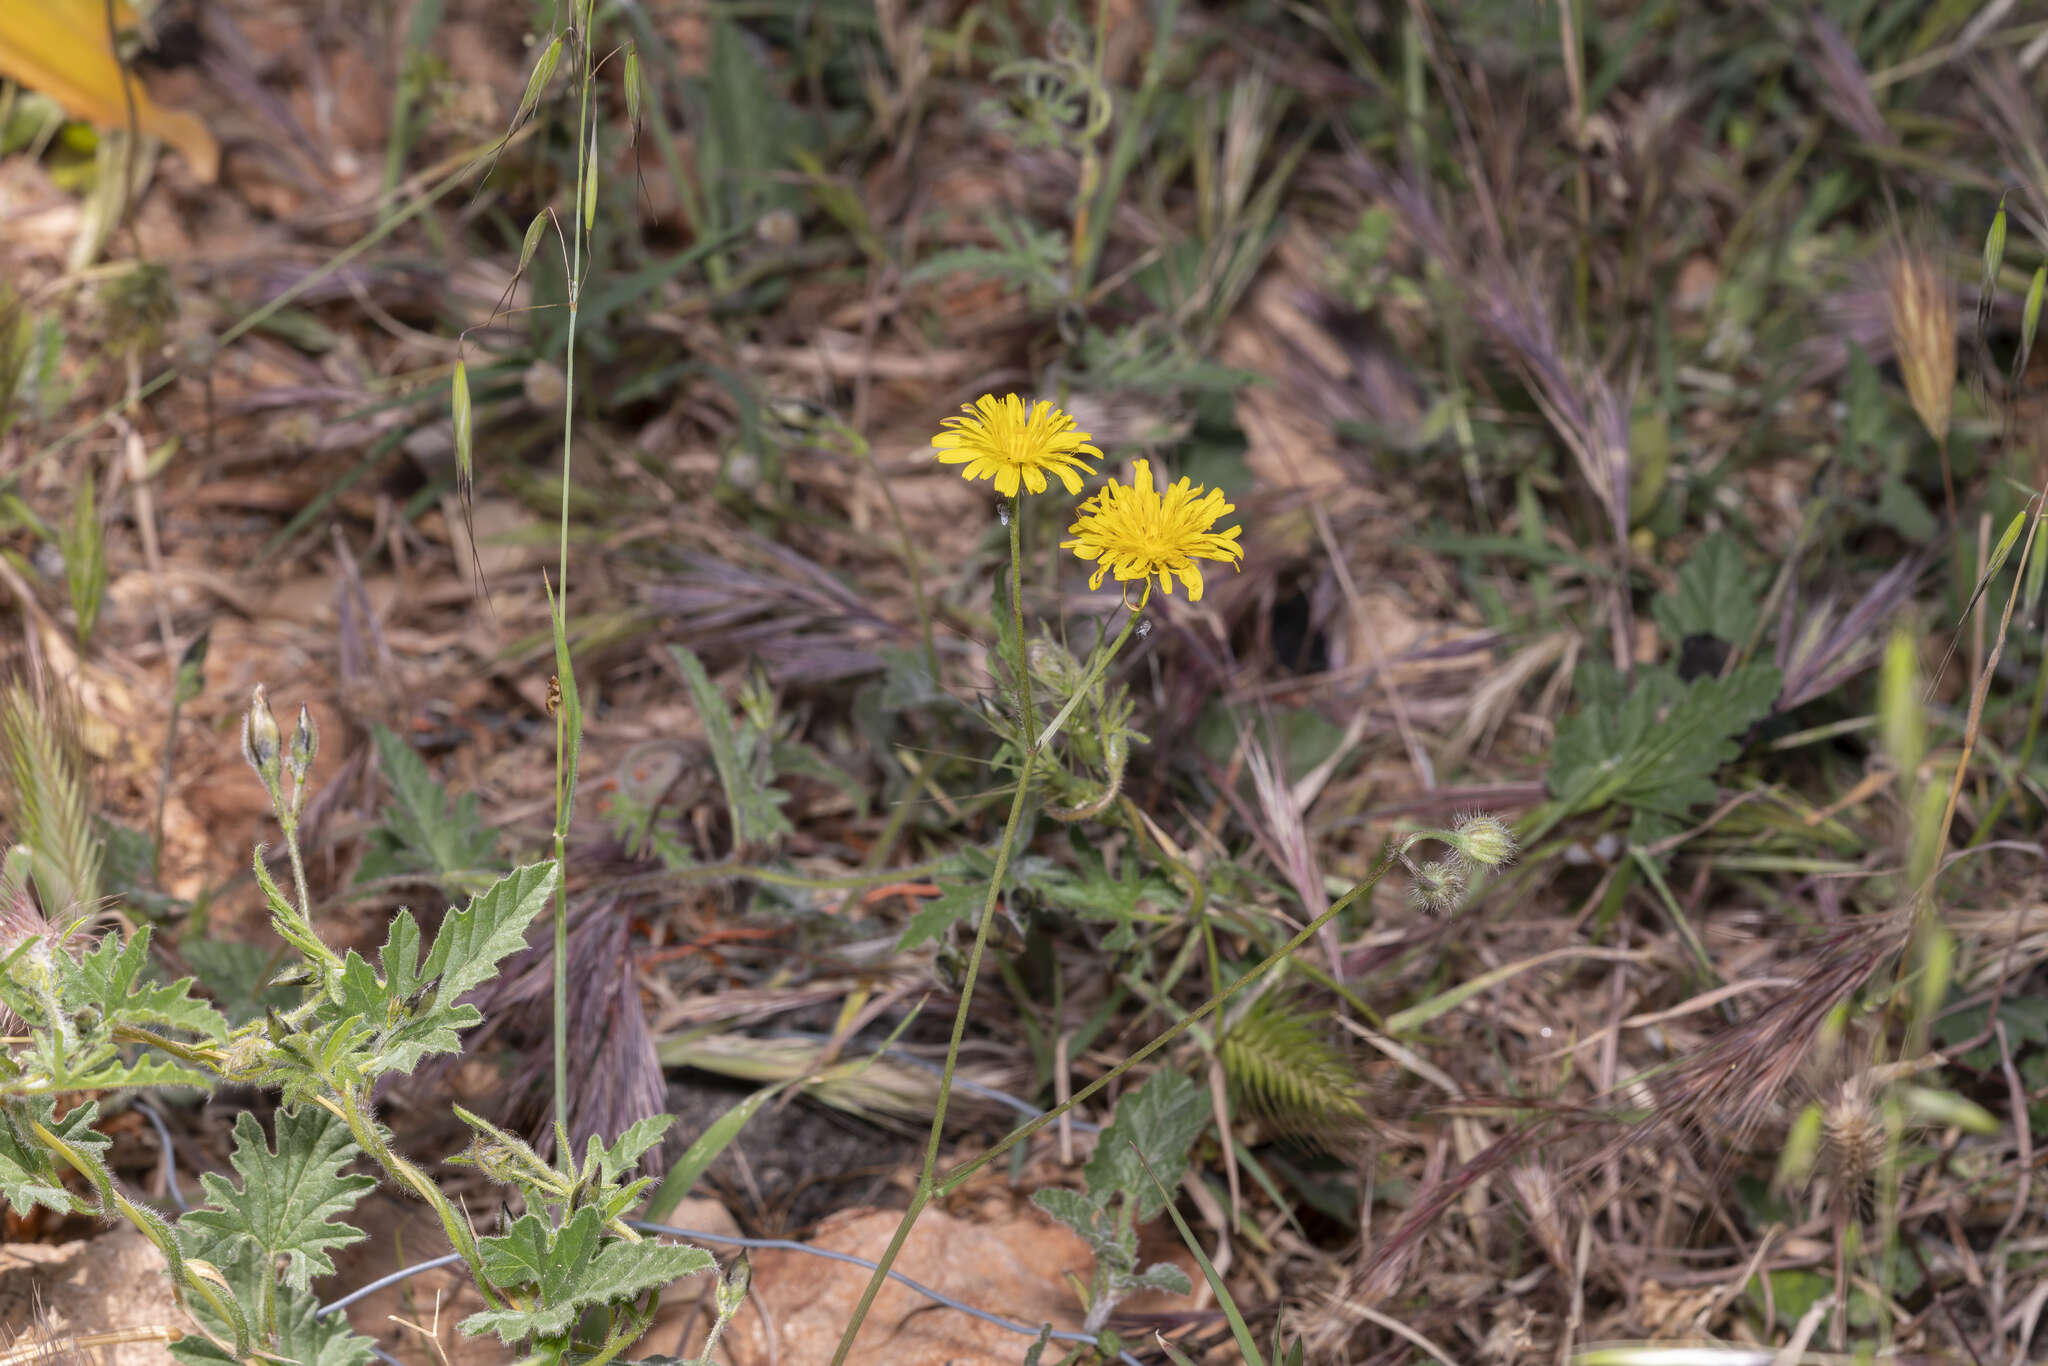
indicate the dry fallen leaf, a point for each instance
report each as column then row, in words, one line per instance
column 61, row 48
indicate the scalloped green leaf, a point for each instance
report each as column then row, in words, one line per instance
column 568, row 1270
column 289, row 1197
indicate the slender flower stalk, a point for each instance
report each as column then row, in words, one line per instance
column 927, row 1176
column 1020, row 664
column 1096, row 667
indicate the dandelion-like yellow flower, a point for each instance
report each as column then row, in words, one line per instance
column 1000, row 440
column 1133, row 532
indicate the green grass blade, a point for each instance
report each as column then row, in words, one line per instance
column 682, row 1177
column 1239, row 1329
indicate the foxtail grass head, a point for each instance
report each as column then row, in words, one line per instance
column 1923, row 318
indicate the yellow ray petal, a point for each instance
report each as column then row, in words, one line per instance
column 60, row 48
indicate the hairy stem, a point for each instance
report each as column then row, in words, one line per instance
column 1096, row 669
column 349, row 1108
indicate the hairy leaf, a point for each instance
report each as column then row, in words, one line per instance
column 423, row 832
column 405, row 1024
column 956, row 902
column 29, row 1171
column 1070, row 1207
column 1093, row 893
column 625, row 1154
column 107, row 1071
column 1717, row 595
column 288, row 1198
column 1657, row 748
column 106, row 982
column 568, row 1270
column 1163, row 1276
column 756, row 814
column 472, row 941
column 302, row 1335
column 1162, row 1118
column 238, row 975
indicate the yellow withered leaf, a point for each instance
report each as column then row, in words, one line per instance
column 61, row 49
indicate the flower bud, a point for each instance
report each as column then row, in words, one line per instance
column 732, row 1291
column 305, row 744
column 1484, row 841
column 1438, row 885
column 260, row 739
column 1052, row 664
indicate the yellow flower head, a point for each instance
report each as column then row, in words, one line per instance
column 1133, row 532
column 999, row 440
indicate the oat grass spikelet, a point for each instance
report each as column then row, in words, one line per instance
column 1000, row 439
column 1923, row 317
column 1135, row 532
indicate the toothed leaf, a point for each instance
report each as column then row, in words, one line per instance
column 423, row 831
column 1162, row 1118
column 107, row 982
column 472, row 941
column 29, row 1171
column 1656, row 748
column 565, row 1271
column 1717, row 595
column 288, row 1197
column 303, row 1336
column 622, row 1156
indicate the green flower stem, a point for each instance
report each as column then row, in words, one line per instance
column 923, row 1194
column 1096, row 668
column 348, row 1107
column 151, row 1226
column 959, row 1175
column 1016, row 520
column 289, row 819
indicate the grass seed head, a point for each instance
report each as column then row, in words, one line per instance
column 1852, row 1134
column 1923, row 317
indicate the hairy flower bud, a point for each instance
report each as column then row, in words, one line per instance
column 260, row 738
column 1438, row 885
column 732, row 1291
column 1484, row 841
column 1052, row 664
column 305, row 744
